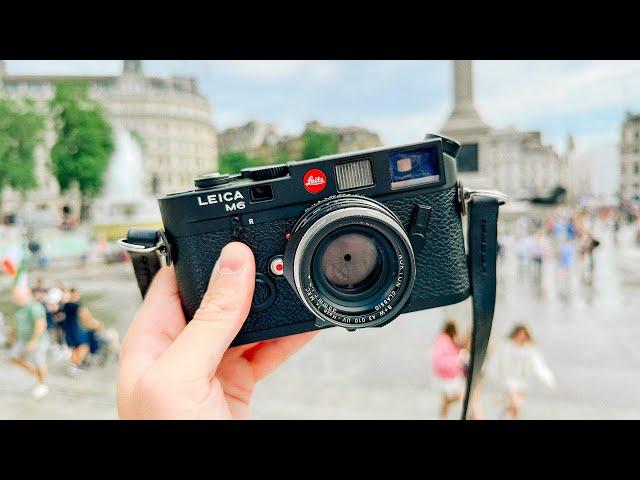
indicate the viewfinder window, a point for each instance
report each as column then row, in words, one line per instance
column 414, row 167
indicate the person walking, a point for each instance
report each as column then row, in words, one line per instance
column 515, row 361
column 564, row 269
column 448, row 367
column 55, row 318
column 587, row 245
column 31, row 339
column 78, row 323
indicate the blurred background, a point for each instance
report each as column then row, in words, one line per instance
column 86, row 147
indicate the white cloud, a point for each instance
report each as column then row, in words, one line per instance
column 539, row 90
column 64, row 67
column 281, row 69
column 403, row 128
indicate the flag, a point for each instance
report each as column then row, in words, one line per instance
column 9, row 267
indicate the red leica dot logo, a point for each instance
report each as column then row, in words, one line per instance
column 315, row 180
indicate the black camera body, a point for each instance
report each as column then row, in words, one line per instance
column 351, row 240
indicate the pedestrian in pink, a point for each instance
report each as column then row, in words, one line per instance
column 447, row 366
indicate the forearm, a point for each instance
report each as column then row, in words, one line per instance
column 89, row 321
column 39, row 329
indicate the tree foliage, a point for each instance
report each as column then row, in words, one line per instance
column 316, row 144
column 21, row 131
column 84, row 141
column 234, row 161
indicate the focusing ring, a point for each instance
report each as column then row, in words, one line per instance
column 343, row 212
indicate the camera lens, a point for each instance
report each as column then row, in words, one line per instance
column 350, row 261
column 351, row 264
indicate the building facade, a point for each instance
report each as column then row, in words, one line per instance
column 515, row 162
column 265, row 141
column 630, row 157
column 170, row 118
column 250, row 137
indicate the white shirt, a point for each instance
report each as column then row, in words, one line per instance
column 512, row 363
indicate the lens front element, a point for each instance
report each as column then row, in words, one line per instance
column 351, row 262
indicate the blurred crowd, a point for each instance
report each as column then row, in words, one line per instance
column 564, row 240
column 51, row 324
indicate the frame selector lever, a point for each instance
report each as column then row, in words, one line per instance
column 418, row 227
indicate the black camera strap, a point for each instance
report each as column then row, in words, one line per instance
column 482, row 243
column 147, row 247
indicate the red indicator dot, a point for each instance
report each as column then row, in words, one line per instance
column 287, row 236
column 276, row 267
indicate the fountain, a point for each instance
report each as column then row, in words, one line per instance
column 124, row 198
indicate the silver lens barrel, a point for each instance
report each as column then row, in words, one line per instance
column 351, row 215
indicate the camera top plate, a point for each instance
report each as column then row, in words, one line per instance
column 261, row 194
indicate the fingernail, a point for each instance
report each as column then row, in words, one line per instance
column 231, row 261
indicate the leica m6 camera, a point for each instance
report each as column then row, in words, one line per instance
column 350, row 240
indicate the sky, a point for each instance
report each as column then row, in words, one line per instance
column 402, row 100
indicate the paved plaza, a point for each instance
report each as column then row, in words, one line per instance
column 588, row 335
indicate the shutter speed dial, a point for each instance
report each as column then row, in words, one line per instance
column 256, row 174
column 264, row 173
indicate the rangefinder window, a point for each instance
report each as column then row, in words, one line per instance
column 414, row 167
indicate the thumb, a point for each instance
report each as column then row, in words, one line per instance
column 198, row 349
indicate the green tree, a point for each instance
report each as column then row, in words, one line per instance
column 315, row 144
column 21, row 131
column 84, row 141
column 233, row 162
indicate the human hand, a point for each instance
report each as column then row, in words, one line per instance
column 171, row 369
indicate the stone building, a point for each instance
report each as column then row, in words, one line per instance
column 350, row 139
column 170, row 117
column 515, row 162
column 249, row 137
column 264, row 140
column 630, row 157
